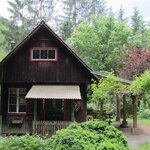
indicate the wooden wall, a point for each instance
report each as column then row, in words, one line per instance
column 19, row 68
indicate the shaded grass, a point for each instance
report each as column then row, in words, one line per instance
column 144, row 146
column 140, row 120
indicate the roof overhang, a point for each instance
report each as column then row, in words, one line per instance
column 104, row 75
column 54, row 92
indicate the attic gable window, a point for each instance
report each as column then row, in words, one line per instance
column 43, row 54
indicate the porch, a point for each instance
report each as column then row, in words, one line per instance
column 45, row 113
column 34, row 127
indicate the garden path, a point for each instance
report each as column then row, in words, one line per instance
column 144, row 136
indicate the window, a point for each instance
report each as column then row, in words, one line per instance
column 44, row 54
column 16, row 103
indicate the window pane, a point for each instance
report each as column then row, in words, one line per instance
column 51, row 54
column 13, row 91
column 12, row 108
column 43, row 54
column 22, row 92
column 22, row 102
column 36, row 54
column 22, row 108
column 12, row 99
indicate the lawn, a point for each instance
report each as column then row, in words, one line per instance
column 144, row 146
column 140, row 120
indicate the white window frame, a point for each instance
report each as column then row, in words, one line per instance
column 47, row 49
column 17, row 104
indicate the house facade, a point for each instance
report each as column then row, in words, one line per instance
column 43, row 85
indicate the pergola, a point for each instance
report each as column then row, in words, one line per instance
column 124, row 95
column 135, row 104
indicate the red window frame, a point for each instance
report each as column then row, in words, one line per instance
column 43, row 60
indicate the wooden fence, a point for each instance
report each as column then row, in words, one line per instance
column 48, row 127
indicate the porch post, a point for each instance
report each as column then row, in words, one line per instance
column 124, row 122
column 117, row 108
column 72, row 111
column 135, row 103
column 65, row 110
column 44, row 110
column 35, row 115
column 0, row 124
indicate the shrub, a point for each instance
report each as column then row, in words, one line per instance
column 145, row 114
column 75, row 139
column 90, row 135
column 93, row 135
column 26, row 142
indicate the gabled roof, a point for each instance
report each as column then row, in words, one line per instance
column 43, row 24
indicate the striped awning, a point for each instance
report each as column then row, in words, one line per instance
column 54, row 92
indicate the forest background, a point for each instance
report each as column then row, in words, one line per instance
column 105, row 40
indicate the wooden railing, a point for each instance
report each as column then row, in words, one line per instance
column 48, row 127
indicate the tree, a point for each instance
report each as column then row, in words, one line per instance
column 137, row 23
column 100, row 42
column 25, row 14
column 93, row 8
column 120, row 15
column 75, row 10
column 4, row 25
column 135, row 60
column 139, row 35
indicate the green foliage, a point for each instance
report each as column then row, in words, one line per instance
column 104, row 90
column 23, row 142
column 145, row 114
column 143, row 146
column 105, row 87
column 99, row 43
column 95, row 135
column 3, row 42
column 79, row 139
column 136, row 21
column 142, row 84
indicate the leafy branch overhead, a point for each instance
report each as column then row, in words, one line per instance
column 103, row 91
column 106, row 87
column 142, row 83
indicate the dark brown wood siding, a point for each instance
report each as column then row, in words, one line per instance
column 19, row 68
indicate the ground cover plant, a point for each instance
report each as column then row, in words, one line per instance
column 90, row 135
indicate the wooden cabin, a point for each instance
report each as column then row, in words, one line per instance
column 43, row 85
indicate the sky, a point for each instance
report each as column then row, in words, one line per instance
column 128, row 5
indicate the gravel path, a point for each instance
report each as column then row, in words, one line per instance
column 135, row 140
column 144, row 136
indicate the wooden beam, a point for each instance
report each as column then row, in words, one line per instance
column 72, row 110
column 117, row 108
column 124, row 122
column 35, row 115
column 65, row 110
column 135, row 103
column 1, row 125
column 35, row 109
column 44, row 110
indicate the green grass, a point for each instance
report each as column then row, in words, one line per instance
column 140, row 120
column 144, row 146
